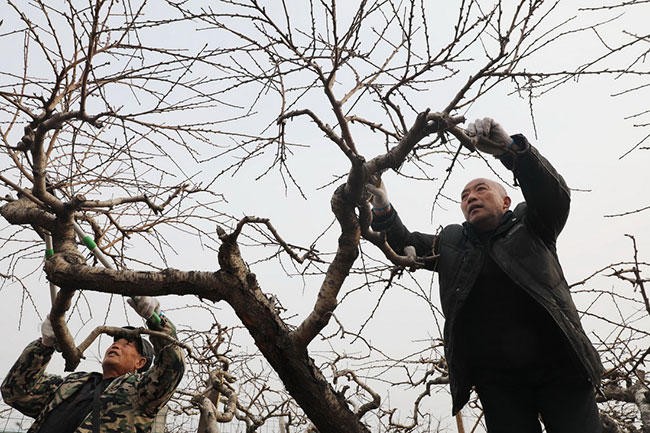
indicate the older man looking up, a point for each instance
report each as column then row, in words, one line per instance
column 125, row 397
column 511, row 328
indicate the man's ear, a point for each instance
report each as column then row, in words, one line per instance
column 140, row 363
column 506, row 203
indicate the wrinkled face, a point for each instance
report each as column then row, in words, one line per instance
column 122, row 357
column 483, row 203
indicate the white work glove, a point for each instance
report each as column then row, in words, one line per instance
column 379, row 195
column 489, row 128
column 409, row 251
column 47, row 333
column 144, row 305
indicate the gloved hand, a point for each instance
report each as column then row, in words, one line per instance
column 409, row 251
column 47, row 333
column 144, row 305
column 379, row 195
column 489, row 128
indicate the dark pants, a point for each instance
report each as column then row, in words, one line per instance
column 513, row 403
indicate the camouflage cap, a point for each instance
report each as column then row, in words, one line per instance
column 145, row 349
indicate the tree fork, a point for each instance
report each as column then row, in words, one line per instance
column 325, row 408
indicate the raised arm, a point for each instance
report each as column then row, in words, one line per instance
column 27, row 387
column 157, row 385
column 547, row 195
column 386, row 219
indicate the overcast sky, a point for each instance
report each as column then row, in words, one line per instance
column 580, row 128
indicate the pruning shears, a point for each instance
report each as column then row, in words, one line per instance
column 92, row 246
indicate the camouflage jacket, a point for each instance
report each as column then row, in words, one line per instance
column 129, row 404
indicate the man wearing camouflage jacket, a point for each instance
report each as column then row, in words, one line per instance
column 125, row 397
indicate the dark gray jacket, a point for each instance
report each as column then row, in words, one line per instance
column 523, row 246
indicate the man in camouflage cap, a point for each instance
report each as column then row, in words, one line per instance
column 125, row 397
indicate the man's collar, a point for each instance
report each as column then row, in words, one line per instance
column 476, row 236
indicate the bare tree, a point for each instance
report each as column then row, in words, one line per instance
column 115, row 122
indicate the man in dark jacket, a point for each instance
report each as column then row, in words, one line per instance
column 125, row 397
column 511, row 328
